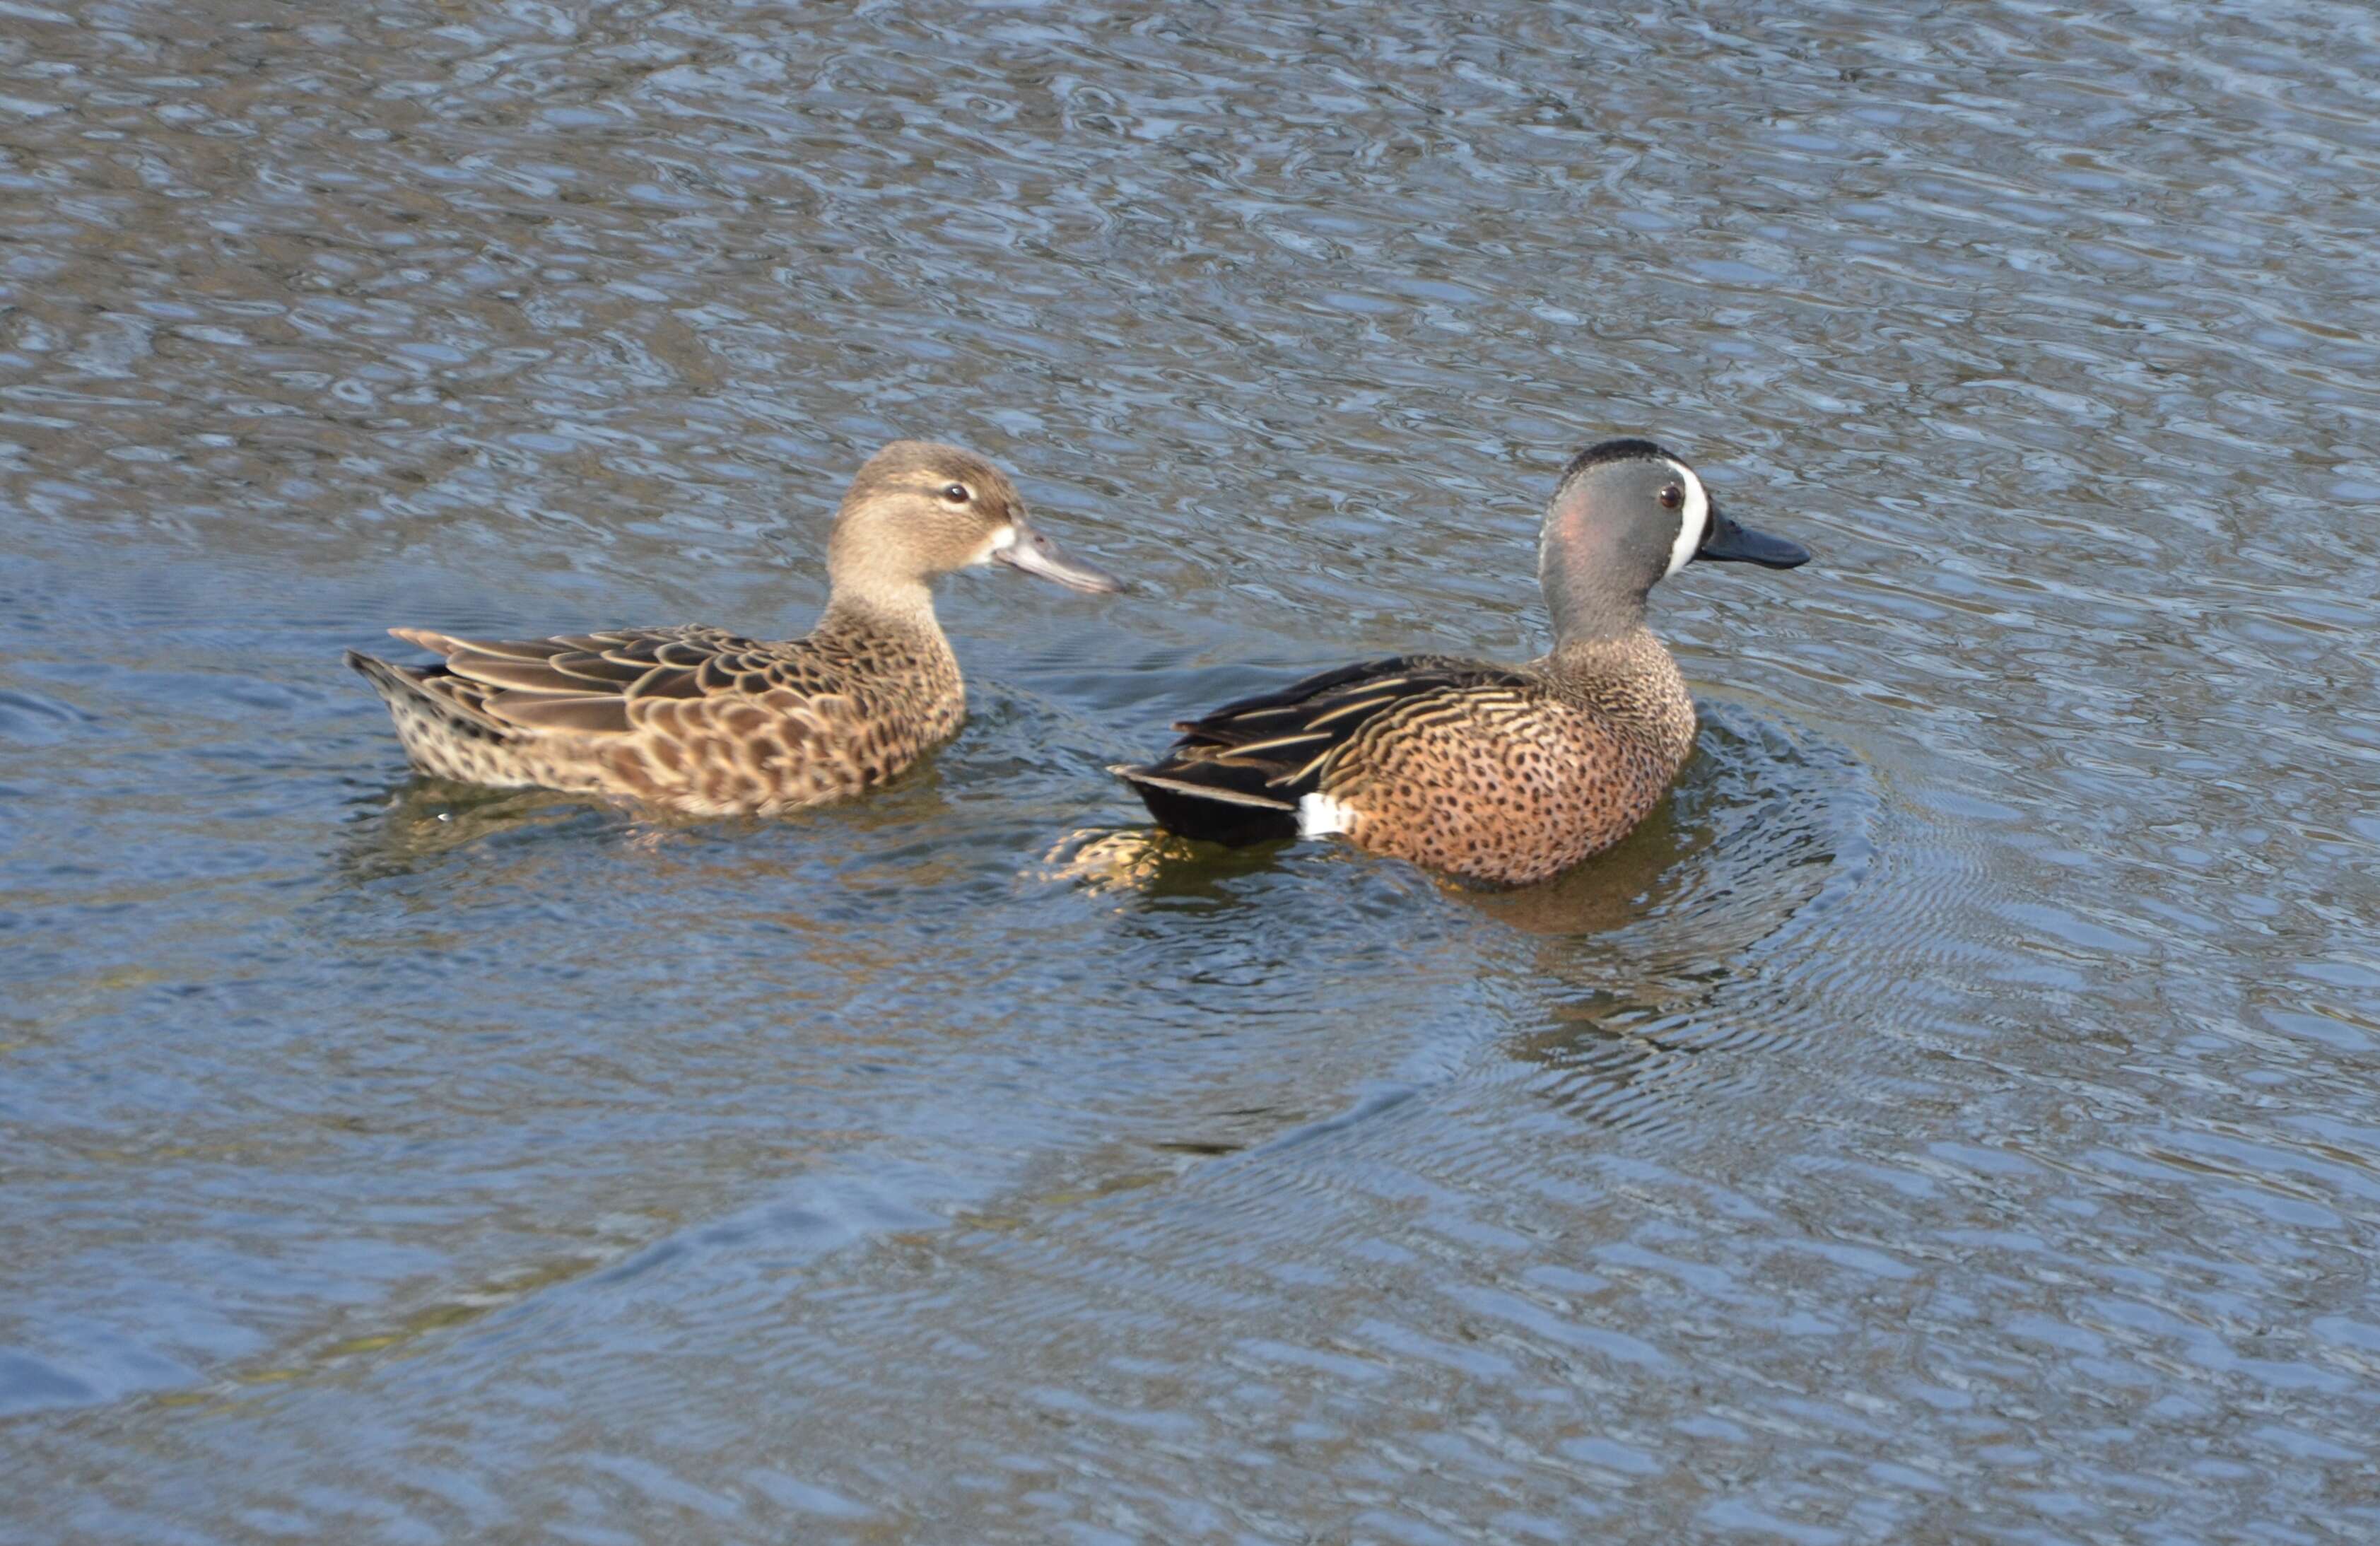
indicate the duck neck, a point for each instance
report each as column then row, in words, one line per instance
column 892, row 638
column 1585, row 576
column 1630, row 678
column 1586, row 657
column 872, row 606
column 875, row 613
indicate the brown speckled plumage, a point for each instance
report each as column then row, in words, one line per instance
column 1505, row 774
column 700, row 721
column 1515, row 783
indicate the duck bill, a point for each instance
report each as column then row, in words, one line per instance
column 1730, row 544
column 1035, row 555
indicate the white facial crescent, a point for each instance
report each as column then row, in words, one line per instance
column 1693, row 520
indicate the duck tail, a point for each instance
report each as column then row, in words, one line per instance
column 428, row 695
column 391, row 682
column 1188, row 799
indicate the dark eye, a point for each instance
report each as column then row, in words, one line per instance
column 957, row 493
column 1672, row 495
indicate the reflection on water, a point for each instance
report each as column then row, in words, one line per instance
column 1947, row 1118
column 425, row 819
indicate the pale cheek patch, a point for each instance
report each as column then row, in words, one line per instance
column 1319, row 816
column 1693, row 522
column 992, row 544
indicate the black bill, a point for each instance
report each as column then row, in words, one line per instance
column 1730, row 544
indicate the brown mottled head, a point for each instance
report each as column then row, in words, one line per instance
column 1627, row 515
column 918, row 510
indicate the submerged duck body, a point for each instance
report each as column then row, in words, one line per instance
column 707, row 723
column 1505, row 774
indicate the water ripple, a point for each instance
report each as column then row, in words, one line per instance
column 1946, row 1118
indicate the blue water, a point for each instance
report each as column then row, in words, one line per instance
column 1948, row 1118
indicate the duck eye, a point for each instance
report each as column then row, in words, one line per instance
column 957, row 493
column 1672, row 495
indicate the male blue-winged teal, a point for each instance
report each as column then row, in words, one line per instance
column 698, row 719
column 1493, row 772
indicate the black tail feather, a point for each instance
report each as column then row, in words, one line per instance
column 1183, row 803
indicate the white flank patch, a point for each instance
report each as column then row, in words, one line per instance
column 992, row 544
column 1319, row 816
column 1691, row 521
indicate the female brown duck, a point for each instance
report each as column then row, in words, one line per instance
column 1494, row 772
column 697, row 719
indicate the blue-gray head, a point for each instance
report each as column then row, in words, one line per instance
column 1627, row 515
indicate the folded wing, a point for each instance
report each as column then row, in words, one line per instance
column 1238, row 774
column 587, row 683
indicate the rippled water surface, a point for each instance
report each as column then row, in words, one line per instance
column 1952, row 1116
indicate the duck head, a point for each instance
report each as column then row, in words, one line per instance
column 1627, row 515
column 918, row 510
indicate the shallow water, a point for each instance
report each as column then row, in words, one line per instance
column 1949, row 1118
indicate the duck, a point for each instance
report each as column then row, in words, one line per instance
column 706, row 722
column 1497, row 774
